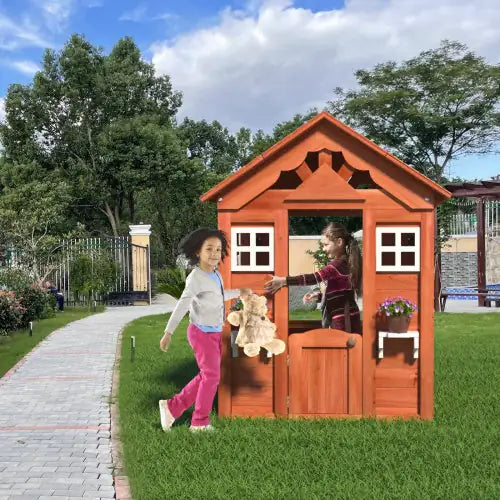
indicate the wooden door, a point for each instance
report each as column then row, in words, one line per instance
column 325, row 376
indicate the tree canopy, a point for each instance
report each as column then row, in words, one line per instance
column 427, row 110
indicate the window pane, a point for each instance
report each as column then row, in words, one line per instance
column 388, row 239
column 388, row 258
column 243, row 258
column 262, row 258
column 407, row 258
column 262, row 239
column 243, row 239
column 408, row 239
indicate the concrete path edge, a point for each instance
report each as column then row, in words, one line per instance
column 122, row 485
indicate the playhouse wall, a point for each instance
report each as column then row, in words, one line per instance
column 399, row 387
column 394, row 385
column 396, row 374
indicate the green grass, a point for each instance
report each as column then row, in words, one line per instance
column 455, row 456
column 15, row 346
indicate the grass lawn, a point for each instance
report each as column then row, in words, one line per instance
column 455, row 456
column 15, row 346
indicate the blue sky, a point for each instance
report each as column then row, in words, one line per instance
column 253, row 63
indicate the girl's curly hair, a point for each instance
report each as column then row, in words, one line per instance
column 191, row 244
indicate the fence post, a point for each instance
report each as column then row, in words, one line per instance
column 139, row 235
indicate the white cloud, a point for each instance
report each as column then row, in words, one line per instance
column 20, row 33
column 263, row 65
column 136, row 15
column 27, row 67
column 56, row 13
column 2, row 109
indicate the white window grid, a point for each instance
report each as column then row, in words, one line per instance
column 252, row 248
column 397, row 248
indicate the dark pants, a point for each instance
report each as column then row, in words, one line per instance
column 60, row 301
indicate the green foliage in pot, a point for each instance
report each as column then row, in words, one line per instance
column 171, row 280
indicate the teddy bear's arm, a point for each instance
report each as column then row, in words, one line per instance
column 234, row 317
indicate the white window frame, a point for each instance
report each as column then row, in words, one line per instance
column 252, row 248
column 397, row 248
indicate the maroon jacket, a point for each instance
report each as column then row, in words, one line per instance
column 338, row 302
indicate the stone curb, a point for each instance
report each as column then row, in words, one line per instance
column 121, row 482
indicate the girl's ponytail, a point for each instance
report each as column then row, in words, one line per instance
column 355, row 264
column 353, row 253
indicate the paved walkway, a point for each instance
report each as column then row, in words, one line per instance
column 55, row 411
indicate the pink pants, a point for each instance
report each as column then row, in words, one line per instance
column 201, row 390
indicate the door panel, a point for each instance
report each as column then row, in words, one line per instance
column 325, row 374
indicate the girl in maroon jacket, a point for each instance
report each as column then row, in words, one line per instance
column 342, row 276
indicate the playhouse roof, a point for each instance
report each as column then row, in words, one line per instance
column 323, row 117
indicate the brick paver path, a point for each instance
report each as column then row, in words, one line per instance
column 55, row 411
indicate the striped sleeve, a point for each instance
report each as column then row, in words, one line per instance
column 324, row 274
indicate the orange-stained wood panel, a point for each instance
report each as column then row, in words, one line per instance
column 396, row 412
column 303, row 171
column 396, row 377
column 254, row 280
column 427, row 317
column 396, row 397
column 268, row 173
column 383, row 172
column 253, row 411
column 281, row 315
column 369, row 311
column 263, row 397
column 397, row 281
column 377, row 199
column 224, row 390
column 249, row 217
column 387, row 217
column 325, row 375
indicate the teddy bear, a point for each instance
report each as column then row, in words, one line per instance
column 256, row 330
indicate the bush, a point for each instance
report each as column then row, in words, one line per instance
column 37, row 302
column 11, row 312
column 15, row 279
column 93, row 275
column 171, row 280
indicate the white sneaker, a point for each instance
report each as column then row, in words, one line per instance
column 167, row 419
column 201, row 428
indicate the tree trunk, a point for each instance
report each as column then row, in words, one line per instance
column 131, row 205
column 111, row 218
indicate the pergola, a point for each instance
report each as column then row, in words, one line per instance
column 482, row 191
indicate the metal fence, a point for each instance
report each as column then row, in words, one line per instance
column 117, row 249
column 462, row 224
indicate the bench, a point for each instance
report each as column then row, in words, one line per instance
column 490, row 296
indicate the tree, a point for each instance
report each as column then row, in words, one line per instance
column 79, row 98
column 33, row 210
column 212, row 144
column 427, row 110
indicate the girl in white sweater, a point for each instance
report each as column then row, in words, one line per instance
column 203, row 297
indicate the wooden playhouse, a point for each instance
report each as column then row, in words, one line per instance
column 325, row 168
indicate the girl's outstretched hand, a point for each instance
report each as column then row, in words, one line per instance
column 165, row 341
column 274, row 284
column 310, row 297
